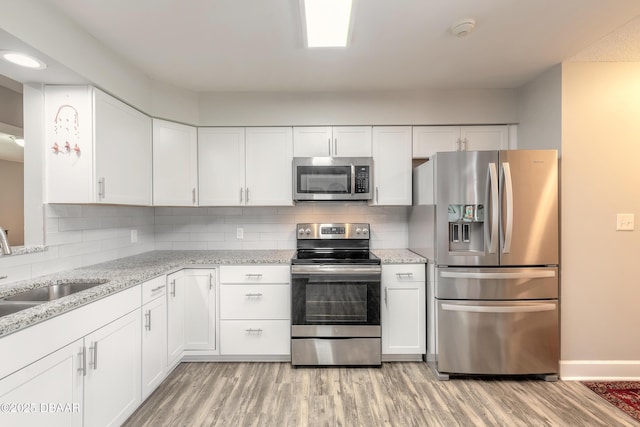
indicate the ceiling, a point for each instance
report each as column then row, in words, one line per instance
column 249, row 45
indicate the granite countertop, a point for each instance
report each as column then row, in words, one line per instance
column 123, row 273
column 398, row 256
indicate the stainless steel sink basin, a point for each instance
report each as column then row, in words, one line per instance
column 10, row 307
column 51, row 292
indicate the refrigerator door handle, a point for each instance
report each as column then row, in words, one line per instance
column 491, row 231
column 498, row 275
column 499, row 309
column 508, row 188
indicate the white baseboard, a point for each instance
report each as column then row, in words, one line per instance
column 600, row 370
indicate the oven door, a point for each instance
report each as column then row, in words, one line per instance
column 335, row 300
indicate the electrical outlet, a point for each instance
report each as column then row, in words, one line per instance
column 240, row 233
column 134, row 236
column 625, row 222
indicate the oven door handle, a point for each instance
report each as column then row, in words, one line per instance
column 335, row 269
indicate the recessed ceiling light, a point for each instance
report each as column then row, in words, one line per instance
column 22, row 59
column 327, row 22
column 463, row 27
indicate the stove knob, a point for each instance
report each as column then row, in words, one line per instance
column 358, row 231
column 307, row 231
column 301, row 231
column 365, row 230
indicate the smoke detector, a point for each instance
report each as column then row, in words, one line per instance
column 463, row 27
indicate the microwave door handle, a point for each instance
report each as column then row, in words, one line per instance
column 353, row 179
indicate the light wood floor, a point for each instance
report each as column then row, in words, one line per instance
column 398, row 394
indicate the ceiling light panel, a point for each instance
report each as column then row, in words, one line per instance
column 327, row 22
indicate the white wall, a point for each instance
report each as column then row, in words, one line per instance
column 600, row 176
column 358, row 108
column 12, row 201
column 540, row 111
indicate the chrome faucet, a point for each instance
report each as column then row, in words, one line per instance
column 4, row 243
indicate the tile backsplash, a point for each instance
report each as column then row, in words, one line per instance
column 271, row 228
column 81, row 235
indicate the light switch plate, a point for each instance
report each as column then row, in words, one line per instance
column 134, row 236
column 625, row 222
column 240, row 233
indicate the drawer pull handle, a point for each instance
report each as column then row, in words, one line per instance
column 256, row 295
column 400, row 275
column 254, row 331
column 157, row 288
column 253, row 275
column 3, row 277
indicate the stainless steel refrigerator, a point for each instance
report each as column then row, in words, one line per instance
column 488, row 220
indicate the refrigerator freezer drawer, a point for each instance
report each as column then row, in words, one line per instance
column 498, row 338
column 504, row 283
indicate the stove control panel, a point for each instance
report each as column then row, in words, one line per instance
column 333, row 231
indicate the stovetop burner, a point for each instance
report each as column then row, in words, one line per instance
column 334, row 243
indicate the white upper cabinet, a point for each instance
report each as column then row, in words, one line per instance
column 98, row 149
column 245, row 167
column 428, row 140
column 336, row 141
column 269, row 173
column 392, row 165
column 175, row 164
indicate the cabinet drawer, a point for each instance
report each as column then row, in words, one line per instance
column 259, row 337
column 255, row 274
column 154, row 288
column 403, row 273
column 242, row 301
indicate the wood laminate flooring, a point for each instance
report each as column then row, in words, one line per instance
column 398, row 394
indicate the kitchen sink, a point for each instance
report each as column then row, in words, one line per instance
column 52, row 292
column 10, row 307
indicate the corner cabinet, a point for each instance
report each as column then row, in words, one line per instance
column 392, row 165
column 245, row 167
column 175, row 164
column 200, row 309
column 332, row 141
column 403, row 311
column 428, row 140
column 98, row 149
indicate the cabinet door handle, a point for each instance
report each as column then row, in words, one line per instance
column 251, row 331
column 253, row 276
column 400, row 275
column 82, row 357
column 101, row 188
column 464, row 144
column 156, row 289
column 3, row 277
column 329, row 145
column 173, row 287
column 247, row 195
column 210, row 281
column 376, row 195
column 193, row 196
column 385, row 297
column 147, row 316
column 335, row 149
column 250, row 295
column 241, row 193
column 94, row 355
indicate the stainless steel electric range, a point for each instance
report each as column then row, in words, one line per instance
column 335, row 297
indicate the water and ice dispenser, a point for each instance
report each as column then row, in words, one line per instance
column 466, row 228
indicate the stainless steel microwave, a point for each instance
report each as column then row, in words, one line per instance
column 332, row 178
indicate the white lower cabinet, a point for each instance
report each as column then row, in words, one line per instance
column 255, row 310
column 46, row 393
column 200, row 309
column 154, row 334
column 112, row 387
column 403, row 312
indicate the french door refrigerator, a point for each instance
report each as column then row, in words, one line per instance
column 489, row 222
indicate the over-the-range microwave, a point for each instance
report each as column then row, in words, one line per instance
column 332, row 178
